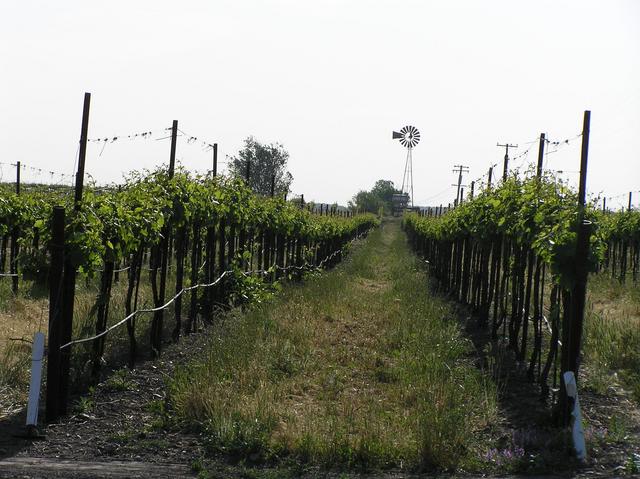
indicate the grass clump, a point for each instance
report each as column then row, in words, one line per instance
column 119, row 381
column 360, row 368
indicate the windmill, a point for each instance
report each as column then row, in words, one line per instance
column 409, row 137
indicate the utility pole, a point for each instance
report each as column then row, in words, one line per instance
column 630, row 195
column 460, row 170
column 489, row 176
column 506, row 159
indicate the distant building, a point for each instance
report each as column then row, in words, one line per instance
column 400, row 203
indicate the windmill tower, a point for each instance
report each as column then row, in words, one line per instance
column 409, row 137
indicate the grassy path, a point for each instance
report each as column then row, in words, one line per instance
column 359, row 366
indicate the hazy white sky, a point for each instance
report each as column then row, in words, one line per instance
column 328, row 79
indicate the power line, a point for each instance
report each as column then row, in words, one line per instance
column 437, row 194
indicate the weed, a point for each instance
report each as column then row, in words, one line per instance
column 119, row 381
column 83, row 405
column 632, row 466
column 617, row 428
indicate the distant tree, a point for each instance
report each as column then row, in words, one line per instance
column 365, row 201
column 380, row 196
column 384, row 190
column 265, row 162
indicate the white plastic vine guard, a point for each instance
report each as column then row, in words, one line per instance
column 576, row 424
column 37, row 355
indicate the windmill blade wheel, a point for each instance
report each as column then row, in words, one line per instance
column 409, row 136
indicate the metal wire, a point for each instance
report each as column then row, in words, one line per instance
column 207, row 285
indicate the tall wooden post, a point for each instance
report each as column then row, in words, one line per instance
column 215, row 159
column 18, row 178
column 15, row 248
column 83, row 151
column 172, row 155
column 69, row 278
column 630, row 201
column 179, row 248
column 540, row 155
column 490, row 174
column 56, row 247
column 158, row 316
column 573, row 321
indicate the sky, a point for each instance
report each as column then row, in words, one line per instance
column 330, row 80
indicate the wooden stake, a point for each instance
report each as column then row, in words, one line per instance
column 573, row 321
column 172, row 155
column 540, row 155
column 69, row 278
column 56, row 248
column 215, row 159
column 18, row 178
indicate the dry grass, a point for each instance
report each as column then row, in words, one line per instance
column 20, row 318
column 612, row 334
column 359, row 367
column 23, row 315
column 614, row 300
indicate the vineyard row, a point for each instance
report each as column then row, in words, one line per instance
column 204, row 227
column 514, row 254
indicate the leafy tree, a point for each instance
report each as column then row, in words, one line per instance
column 385, row 190
column 380, row 196
column 265, row 162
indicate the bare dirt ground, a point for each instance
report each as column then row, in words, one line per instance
column 117, row 424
